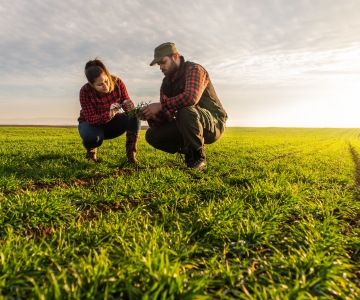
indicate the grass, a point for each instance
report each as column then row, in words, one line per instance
column 276, row 215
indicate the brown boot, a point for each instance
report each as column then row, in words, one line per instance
column 91, row 154
column 132, row 138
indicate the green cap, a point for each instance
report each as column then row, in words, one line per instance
column 163, row 50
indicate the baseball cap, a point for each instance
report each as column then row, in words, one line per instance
column 163, row 50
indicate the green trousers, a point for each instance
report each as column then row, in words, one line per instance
column 193, row 127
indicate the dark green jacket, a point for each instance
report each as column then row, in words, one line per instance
column 209, row 100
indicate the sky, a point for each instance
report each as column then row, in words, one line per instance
column 273, row 63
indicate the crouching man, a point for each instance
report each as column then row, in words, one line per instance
column 189, row 113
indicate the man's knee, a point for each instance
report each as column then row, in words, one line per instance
column 187, row 117
column 187, row 112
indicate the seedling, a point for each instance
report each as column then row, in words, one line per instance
column 136, row 110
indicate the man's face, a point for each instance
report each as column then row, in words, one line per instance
column 168, row 66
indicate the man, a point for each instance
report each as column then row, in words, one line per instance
column 189, row 113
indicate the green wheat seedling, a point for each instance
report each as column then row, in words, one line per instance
column 274, row 216
column 137, row 109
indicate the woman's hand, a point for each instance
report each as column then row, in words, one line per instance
column 128, row 105
column 114, row 109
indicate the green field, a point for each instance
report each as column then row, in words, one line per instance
column 276, row 215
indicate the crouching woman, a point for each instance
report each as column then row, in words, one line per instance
column 101, row 100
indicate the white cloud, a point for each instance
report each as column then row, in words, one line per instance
column 246, row 44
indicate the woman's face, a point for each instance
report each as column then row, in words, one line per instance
column 101, row 84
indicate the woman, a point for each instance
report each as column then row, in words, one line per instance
column 100, row 118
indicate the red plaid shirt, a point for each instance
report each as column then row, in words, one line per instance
column 196, row 80
column 95, row 106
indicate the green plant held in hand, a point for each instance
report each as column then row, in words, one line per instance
column 136, row 110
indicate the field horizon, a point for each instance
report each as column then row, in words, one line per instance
column 276, row 215
column 144, row 127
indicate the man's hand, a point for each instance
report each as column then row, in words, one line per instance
column 149, row 111
column 141, row 117
column 114, row 109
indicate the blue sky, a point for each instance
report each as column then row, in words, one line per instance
column 272, row 62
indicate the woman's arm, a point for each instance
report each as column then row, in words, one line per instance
column 125, row 101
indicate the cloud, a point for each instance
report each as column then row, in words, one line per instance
column 259, row 43
column 44, row 36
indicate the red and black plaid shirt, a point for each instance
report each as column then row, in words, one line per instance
column 95, row 106
column 196, row 80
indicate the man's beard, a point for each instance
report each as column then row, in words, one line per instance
column 171, row 70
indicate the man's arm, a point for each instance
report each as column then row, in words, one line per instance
column 196, row 80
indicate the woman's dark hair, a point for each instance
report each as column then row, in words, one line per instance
column 94, row 68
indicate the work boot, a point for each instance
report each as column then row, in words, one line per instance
column 189, row 154
column 91, row 154
column 132, row 138
column 196, row 159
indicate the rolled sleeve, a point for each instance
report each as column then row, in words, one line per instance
column 196, row 80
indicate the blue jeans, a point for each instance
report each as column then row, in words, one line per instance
column 94, row 135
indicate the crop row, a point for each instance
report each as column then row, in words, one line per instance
column 275, row 215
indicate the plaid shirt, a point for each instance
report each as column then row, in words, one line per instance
column 196, row 80
column 95, row 106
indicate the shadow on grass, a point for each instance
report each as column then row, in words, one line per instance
column 81, row 181
column 48, row 171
